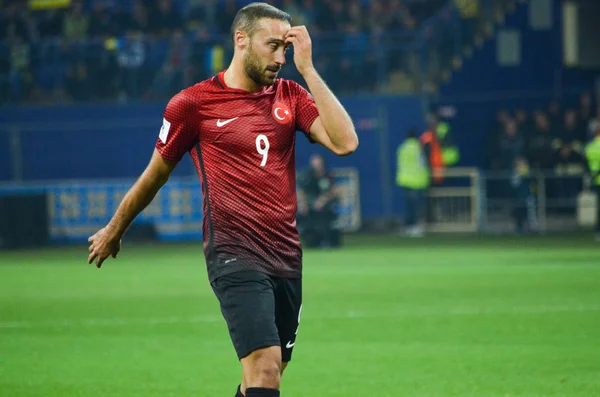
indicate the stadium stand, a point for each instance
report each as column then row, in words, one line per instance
column 107, row 50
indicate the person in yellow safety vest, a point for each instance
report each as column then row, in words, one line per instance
column 592, row 153
column 413, row 177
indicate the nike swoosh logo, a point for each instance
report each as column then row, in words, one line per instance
column 290, row 345
column 222, row 123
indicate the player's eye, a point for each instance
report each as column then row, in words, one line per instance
column 274, row 46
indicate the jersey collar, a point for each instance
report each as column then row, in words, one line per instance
column 223, row 85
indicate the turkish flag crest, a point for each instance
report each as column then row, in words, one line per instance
column 281, row 113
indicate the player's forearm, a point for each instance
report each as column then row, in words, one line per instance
column 137, row 198
column 336, row 120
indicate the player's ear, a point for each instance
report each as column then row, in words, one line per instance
column 241, row 39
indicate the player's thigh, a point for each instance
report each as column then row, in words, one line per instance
column 247, row 300
column 288, row 296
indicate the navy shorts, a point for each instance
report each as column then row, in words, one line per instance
column 260, row 310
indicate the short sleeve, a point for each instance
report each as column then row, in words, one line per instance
column 306, row 109
column 176, row 137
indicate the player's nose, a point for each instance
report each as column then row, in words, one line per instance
column 280, row 58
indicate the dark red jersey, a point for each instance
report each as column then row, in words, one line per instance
column 243, row 146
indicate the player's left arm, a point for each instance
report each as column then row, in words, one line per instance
column 333, row 128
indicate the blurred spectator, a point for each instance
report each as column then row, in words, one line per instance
column 586, row 112
column 225, row 14
column 50, row 24
column 200, row 13
column 14, row 24
column 492, row 147
column 170, row 76
column 102, row 24
column 399, row 17
column 526, row 125
column 376, row 14
column 77, row 81
column 4, row 72
column 131, row 56
column 139, row 20
column 555, row 115
column 524, row 212
column 317, row 198
column 594, row 124
column 20, row 68
column 540, row 149
column 293, row 8
column 76, row 24
column 570, row 158
column 412, row 175
column 165, row 18
column 469, row 12
column 592, row 151
column 511, row 145
column 309, row 13
column 572, row 137
column 334, row 16
column 353, row 53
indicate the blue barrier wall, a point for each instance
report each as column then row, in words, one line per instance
column 116, row 141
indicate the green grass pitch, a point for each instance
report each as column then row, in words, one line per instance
column 443, row 316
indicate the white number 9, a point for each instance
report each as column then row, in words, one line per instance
column 261, row 141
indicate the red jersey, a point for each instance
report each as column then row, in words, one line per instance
column 243, row 146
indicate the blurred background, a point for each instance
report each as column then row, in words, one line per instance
column 502, row 96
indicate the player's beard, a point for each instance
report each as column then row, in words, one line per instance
column 255, row 71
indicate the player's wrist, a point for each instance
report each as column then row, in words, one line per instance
column 308, row 71
column 113, row 232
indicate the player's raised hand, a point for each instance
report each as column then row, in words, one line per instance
column 102, row 245
column 298, row 37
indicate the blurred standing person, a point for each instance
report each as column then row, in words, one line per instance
column 555, row 113
column 592, row 153
column 433, row 149
column 526, row 125
column 412, row 176
column 492, row 139
column 540, row 151
column 570, row 156
column 165, row 18
column 586, row 111
column 511, row 145
column 169, row 79
column 524, row 209
column 318, row 196
column 593, row 125
column 131, row 57
column 76, row 23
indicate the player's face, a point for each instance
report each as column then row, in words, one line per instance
column 265, row 54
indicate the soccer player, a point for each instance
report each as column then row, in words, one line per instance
column 240, row 127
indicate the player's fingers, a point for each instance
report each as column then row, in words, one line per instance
column 292, row 33
column 300, row 31
column 291, row 40
column 101, row 258
column 91, row 257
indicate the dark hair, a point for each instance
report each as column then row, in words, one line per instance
column 411, row 133
column 247, row 18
